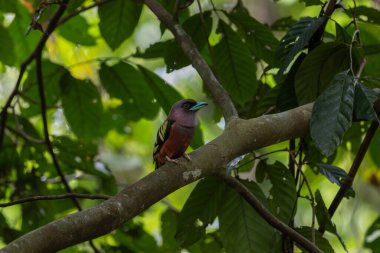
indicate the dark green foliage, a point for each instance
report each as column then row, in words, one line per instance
column 296, row 40
column 332, row 173
column 241, row 227
column 7, row 53
column 235, row 68
column 363, row 104
column 118, row 20
column 82, row 107
column 332, row 114
column 320, row 241
column 318, row 70
column 76, row 31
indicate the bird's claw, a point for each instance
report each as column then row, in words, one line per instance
column 171, row 160
column 187, row 157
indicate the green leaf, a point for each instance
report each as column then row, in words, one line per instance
column 153, row 51
column 242, row 229
column 258, row 37
column 333, row 173
column 76, row 31
column 7, row 53
column 373, row 15
column 322, row 243
column 372, row 238
column 363, row 104
column 296, row 39
column 199, row 31
column 118, row 19
column 165, row 94
column 332, row 114
column 82, row 107
column 235, row 68
column 23, row 45
column 283, row 192
column 73, row 5
column 341, row 34
column 52, row 74
column 371, row 49
column 287, row 98
column 319, row 68
column 169, row 221
column 126, row 83
column 200, row 210
column 324, row 218
column 311, row 2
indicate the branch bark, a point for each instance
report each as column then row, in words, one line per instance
column 240, row 136
column 190, row 49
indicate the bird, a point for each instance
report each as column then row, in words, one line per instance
column 176, row 132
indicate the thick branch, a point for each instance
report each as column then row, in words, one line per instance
column 240, row 136
column 267, row 215
column 55, row 197
column 190, row 49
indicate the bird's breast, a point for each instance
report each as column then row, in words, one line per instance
column 179, row 140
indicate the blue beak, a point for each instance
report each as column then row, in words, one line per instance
column 198, row 106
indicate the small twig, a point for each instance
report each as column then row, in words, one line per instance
column 25, row 136
column 55, row 197
column 267, row 215
column 190, row 50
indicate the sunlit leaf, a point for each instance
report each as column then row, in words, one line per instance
column 76, row 31
column 332, row 114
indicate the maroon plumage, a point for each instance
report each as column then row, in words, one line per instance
column 177, row 131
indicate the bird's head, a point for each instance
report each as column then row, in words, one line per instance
column 184, row 111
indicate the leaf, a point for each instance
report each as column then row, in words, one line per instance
column 322, row 243
column 126, row 83
column 332, row 114
column 372, row 238
column 283, row 192
column 76, row 31
column 51, row 74
column 235, row 68
column 363, row 104
column 118, row 19
column 373, row 15
column 258, row 37
column 7, row 53
column 324, row 218
column 287, row 98
column 241, row 228
column 200, row 210
column 73, row 5
column 333, row 173
column 165, row 94
column 153, row 51
column 341, row 34
column 296, row 39
column 374, row 149
column 311, row 2
column 169, row 221
column 82, row 107
column 318, row 70
column 23, row 46
column 198, row 27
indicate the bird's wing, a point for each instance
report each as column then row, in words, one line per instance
column 162, row 136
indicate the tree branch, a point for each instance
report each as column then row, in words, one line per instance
column 55, row 197
column 240, row 136
column 189, row 48
column 267, row 215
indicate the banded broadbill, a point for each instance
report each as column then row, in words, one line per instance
column 177, row 131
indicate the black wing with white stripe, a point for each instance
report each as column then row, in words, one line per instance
column 162, row 135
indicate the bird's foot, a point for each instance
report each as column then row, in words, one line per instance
column 187, row 157
column 171, row 160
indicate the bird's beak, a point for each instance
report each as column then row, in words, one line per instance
column 198, row 106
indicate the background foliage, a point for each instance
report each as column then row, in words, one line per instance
column 109, row 71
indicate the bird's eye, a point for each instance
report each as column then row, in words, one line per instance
column 186, row 106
